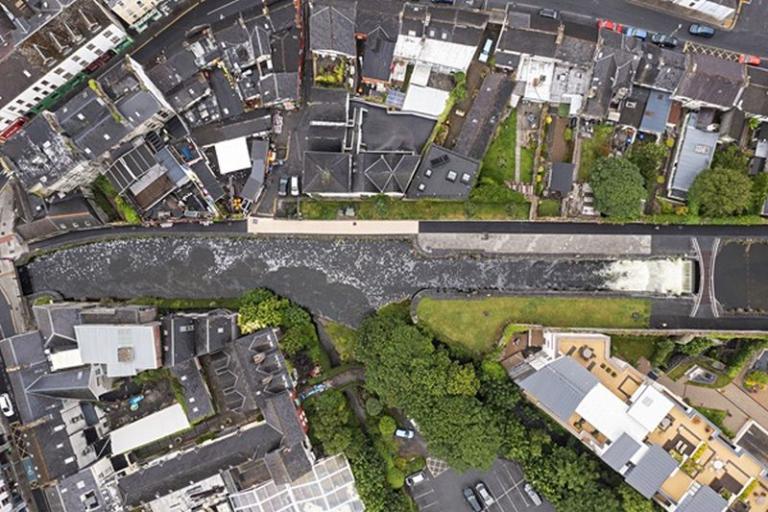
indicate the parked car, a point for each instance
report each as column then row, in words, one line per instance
column 664, row 40
column 415, row 479
column 749, row 59
column 485, row 494
column 404, row 433
column 531, row 492
column 636, row 32
column 282, row 186
column 610, row 25
column 469, row 495
column 697, row 29
column 485, row 53
column 449, row 2
column 553, row 14
column 295, row 186
column 6, row 405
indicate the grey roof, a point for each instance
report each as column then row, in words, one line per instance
column 70, row 213
column 695, row 155
column 177, row 68
column 139, row 106
column 480, row 123
column 178, row 339
column 577, row 51
column 279, row 87
column 211, row 184
column 703, row 500
column 560, row 386
column 77, row 492
column 214, row 330
column 189, row 92
column 634, row 107
column 615, row 65
column 252, row 123
column 378, row 49
column 656, row 112
column 444, row 174
column 385, row 131
column 712, row 80
column 327, row 172
column 22, row 350
column 198, row 404
column 660, row 69
column 197, row 464
column 131, row 166
column 73, row 384
column 530, row 42
column 332, row 27
column 384, row 172
column 618, row 454
column 651, row 471
column 255, row 182
column 561, row 178
column 755, row 97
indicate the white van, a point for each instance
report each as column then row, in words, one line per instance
column 486, row 53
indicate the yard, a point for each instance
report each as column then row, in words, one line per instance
column 526, row 164
column 549, row 208
column 499, row 161
column 632, row 348
column 599, row 145
column 113, row 205
column 477, row 324
column 382, row 207
column 342, row 337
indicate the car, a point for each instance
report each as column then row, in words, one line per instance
column 294, row 186
column 485, row 494
column 697, row 29
column 636, row 32
column 6, row 405
column 469, row 495
column 282, row 186
column 404, row 433
column 610, row 25
column 552, row 14
column 531, row 492
column 415, row 479
column 449, row 2
column 664, row 40
column 486, row 51
column 749, row 59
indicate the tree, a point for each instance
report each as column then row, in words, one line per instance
column 632, row 501
column 373, row 407
column 696, row 346
column 756, row 379
column 462, row 380
column 618, row 187
column 661, row 353
column 732, row 157
column 759, row 192
column 395, row 478
column 649, row 158
column 387, row 426
column 330, row 424
column 720, row 192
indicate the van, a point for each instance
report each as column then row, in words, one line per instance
column 486, row 52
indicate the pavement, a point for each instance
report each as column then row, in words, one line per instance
column 265, row 226
column 504, row 480
column 509, row 243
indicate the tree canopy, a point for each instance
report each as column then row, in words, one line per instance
column 720, row 192
column 649, row 158
column 618, row 187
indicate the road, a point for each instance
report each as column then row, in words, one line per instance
column 749, row 36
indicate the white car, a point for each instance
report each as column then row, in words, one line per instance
column 531, row 492
column 404, row 433
column 294, row 186
column 6, row 405
column 414, row 479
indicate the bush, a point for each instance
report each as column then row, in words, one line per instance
column 696, row 346
column 756, row 379
column 619, row 187
column 720, row 192
column 661, row 354
column 395, row 478
column 387, row 426
column 741, row 358
column 373, row 407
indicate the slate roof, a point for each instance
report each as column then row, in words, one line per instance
column 560, row 386
column 660, row 69
column 444, row 174
column 378, row 50
column 711, row 80
column 73, row 384
column 177, row 68
column 618, row 454
column 530, row 42
column 384, row 172
column 480, row 123
column 651, row 471
column 703, row 500
column 198, row 403
column 252, row 123
column 255, row 182
column 332, row 27
column 561, row 178
column 634, row 107
column 754, row 100
column 279, row 87
column 327, row 172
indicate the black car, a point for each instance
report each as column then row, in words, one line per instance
column 282, row 186
column 549, row 13
column 664, row 40
column 449, row 2
column 469, row 495
column 697, row 29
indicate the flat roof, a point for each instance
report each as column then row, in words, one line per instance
column 425, row 100
column 232, row 155
column 149, row 429
column 694, row 156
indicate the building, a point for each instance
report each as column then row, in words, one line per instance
column 693, row 155
column 710, row 82
column 560, row 179
column 661, row 446
column 123, row 350
column 482, row 119
column 444, row 174
column 137, row 14
column 332, row 25
column 717, row 11
column 754, row 101
column 54, row 55
column 615, row 65
column 327, row 174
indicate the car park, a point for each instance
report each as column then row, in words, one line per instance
column 469, row 495
column 485, row 494
column 404, row 433
column 531, row 492
column 549, row 13
column 6, row 405
column 697, row 29
column 610, row 25
column 639, row 33
column 664, row 40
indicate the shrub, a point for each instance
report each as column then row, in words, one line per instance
column 756, row 379
column 661, row 354
column 373, row 407
column 395, row 478
column 745, row 353
column 696, row 346
column 387, row 426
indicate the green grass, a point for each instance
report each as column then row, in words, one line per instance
column 377, row 208
column 717, row 416
column 475, row 325
column 549, row 208
column 499, row 161
column 592, row 149
column 343, row 339
column 678, row 371
column 526, row 164
column 232, row 303
column 43, row 300
column 632, row 348
column 106, row 191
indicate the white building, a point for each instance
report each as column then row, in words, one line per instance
column 136, row 13
column 720, row 10
column 55, row 54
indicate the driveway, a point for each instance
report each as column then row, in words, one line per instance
column 443, row 493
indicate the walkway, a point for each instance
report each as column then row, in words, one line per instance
column 261, row 226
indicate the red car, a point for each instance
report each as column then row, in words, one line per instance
column 749, row 59
column 610, row 25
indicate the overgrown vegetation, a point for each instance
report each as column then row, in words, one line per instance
column 112, row 203
column 549, row 208
column 594, row 148
column 165, row 305
column 333, row 77
column 342, row 337
column 618, row 187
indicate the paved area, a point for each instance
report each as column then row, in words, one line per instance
column 504, row 481
column 332, row 227
column 740, row 280
column 606, row 245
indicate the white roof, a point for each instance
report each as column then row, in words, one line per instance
column 538, row 76
column 608, row 414
column 65, row 359
column 420, row 75
column 454, row 56
column 149, row 429
column 649, row 406
column 124, row 349
column 232, row 155
column 425, row 100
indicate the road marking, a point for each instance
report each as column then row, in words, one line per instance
column 713, row 299
column 223, row 6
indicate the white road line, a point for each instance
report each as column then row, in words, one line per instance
column 713, row 301
column 431, row 491
column 223, row 6
column 697, row 302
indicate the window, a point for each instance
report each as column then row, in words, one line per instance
column 114, row 39
column 90, row 46
column 36, row 88
column 59, row 71
column 45, row 83
column 67, row 76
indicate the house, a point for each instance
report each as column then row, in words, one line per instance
column 656, row 114
column 711, row 82
column 484, row 116
column 754, row 100
column 616, row 61
column 189, row 335
column 560, row 180
column 49, row 58
column 123, row 350
column 694, row 154
column 332, row 25
column 660, row 69
column 444, row 174
column 384, row 173
column 661, row 446
column 87, row 489
column 137, row 14
column 327, row 173
column 72, row 212
column 376, row 29
column 254, row 185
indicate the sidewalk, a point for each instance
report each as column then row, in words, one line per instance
column 668, row 6
column 263, row 226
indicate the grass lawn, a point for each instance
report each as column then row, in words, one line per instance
column 717, row 416
column 476, row 324
column 549, row 208
column 343, row 338
column 499, row 161
column 592, row 149
column 526, row 165
column 632, row 348
column 377, row 208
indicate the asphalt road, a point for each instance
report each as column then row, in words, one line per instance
column 6, row 321
column 749, row 36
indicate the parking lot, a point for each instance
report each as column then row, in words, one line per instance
column 443, row 493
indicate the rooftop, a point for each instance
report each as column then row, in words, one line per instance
column 480, row 123
column 327, row 172
column 694, row 155
column 712, row 81
column 444, row 174
column 332, row 27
